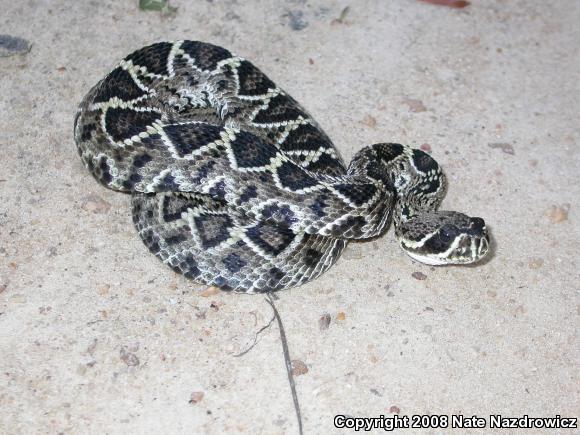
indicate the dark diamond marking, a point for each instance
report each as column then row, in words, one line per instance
column 172, row 208
column 272, row 239
column 250, row 152
column 206, row 56
column 326, row 164
column 388, row 151
column 150, row 240
column 279, row 214
column 186, row 138
column 141, row 160
column 187, row 266
column 319, row 205
column 153, row 57
column 293, row 177
column 423, row 161
column 125, row 123
column 306, row 137
column 167, row 184
column 357, row 193
column 252, row 80
column 120, row 84
column 213, row 229
column 351, row 226
column 280, row 108
column 219, row 190
column 233, row 262
column 133, row 179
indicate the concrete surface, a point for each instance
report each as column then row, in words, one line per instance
column 97, row 336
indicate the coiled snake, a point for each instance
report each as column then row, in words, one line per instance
column 234, row 184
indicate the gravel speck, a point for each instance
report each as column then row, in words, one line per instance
column 505, row 147
column 129, row 358
column 12, row 45
column 419, row 275
column 324, row 322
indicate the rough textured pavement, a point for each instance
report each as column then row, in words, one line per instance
column 97, row 336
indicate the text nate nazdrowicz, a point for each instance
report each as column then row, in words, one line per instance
column 454, row 421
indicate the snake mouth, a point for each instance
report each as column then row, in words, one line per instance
column 465, row 249
column 470, row 250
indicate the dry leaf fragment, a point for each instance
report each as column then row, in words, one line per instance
column 298, row 367
column 210, row 291
column 342, row 17
column 505, row 147
column 558, row 213
column 369, row 121
column 95, row 204
column 536, row 263
column 196, row 397
column 415, row 105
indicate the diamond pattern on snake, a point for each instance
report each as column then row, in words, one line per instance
column 234, row 184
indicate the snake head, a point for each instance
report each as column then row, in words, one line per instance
column 445, row 237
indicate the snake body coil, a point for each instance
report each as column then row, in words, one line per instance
column 234, row 184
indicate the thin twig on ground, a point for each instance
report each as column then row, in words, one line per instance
column 288, row 362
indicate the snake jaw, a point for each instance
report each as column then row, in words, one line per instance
column 456, row 239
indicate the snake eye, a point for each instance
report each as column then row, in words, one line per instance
column 447, row 232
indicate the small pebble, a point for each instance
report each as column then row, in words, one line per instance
column 324, row 322
column 419, row 275
column 12, row 45
column 297, row 20
column 129, row 358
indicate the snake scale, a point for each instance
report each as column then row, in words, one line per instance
column 235, row 185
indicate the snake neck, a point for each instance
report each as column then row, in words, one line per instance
column 415, row 177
